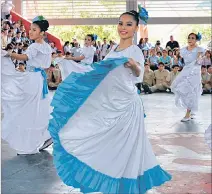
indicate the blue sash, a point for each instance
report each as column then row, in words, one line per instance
column 43, row 73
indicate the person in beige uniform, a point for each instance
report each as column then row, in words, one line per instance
column 206, row 80
column 172, row 75
column 148, row 79
column 160, row 76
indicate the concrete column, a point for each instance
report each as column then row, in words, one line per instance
column 18, row 6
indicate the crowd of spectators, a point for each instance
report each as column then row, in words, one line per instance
column 162, row 65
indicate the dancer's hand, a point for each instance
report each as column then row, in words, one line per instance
column 131, row 64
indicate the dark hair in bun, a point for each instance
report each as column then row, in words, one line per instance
column 43, row 25
column 92, row 37
column 134, row 14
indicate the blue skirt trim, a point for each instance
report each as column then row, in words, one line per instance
column 69, row 97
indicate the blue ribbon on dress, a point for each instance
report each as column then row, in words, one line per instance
column 45, row 85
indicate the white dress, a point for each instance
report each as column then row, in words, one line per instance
column 26, row 112
column 68, row 66
column 187, row 87
column 100, row 144
column 208, row 135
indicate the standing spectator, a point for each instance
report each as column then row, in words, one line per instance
column 74, row 40
column 141, row 43
column 165, row 59
column 98, row 50
column 22, row 28
column 105, row 48
column 6, row 7
column 172, row 44
column 153, row 60
column 66, row 47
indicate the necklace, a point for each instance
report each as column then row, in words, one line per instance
column 117, row 49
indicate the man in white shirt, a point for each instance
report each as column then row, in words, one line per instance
column 76, row 50
column 6, row 7
column 104, row 49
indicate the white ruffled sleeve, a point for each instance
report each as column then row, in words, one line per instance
column 137, row 55
column 32, row 51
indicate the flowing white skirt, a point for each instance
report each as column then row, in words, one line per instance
column 208, row 135
column 26, row 113
column 187, row 87
column 69, row 66
column 100, row 142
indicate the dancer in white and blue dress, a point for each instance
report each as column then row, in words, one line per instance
column 24, row 96
column 187, row 87
column 68, row 64
column 97, row 125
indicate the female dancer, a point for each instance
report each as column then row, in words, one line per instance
column 100, row 144
column 24, row 101
column 187, row 86
column 68, row 64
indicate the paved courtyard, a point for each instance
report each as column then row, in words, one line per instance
column 180, row 149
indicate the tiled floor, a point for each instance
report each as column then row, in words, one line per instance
column 179, row 147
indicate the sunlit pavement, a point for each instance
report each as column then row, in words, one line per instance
column 180, row 149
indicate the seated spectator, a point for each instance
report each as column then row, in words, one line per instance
column 178, row 59
column 9, row 48
column 145, row 53
column 21, row 67
column 25, row 47
column 24, row 37
column 158, row 47
column 22, row 28
column 207, row 59
column 147, row 44
column 159, row 54
column 153, row 60
column 172, row 44
column 206, row 79
column 9, row 19
column 68, row 54
column 165, row 59
column 16, row 27
column 20, row 47
column 9, row 37
column 59, row 53
column 3, row 39
column 54, row 49
column 17, row 38
column 160, row 76
column 6, row 25
column 148, row 79
column 172, row 75
column 54, row 77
